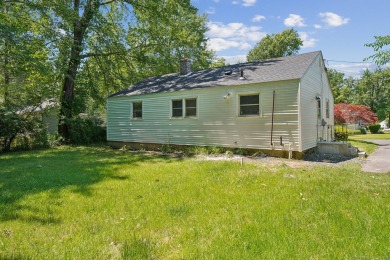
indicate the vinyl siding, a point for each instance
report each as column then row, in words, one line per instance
column 315, row 83
column 217, row 122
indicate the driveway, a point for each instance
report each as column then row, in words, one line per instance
column 379, row 161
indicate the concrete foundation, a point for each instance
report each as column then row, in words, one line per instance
column 337, row 148
column 280, row 152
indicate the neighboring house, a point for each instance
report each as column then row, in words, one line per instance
column 271, row 105
column 48, row 111
column 383, row 124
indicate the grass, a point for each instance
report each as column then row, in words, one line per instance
column 385, row 136
column 95, row 203
column 363, row 141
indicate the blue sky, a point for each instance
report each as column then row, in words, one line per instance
column 339, row 28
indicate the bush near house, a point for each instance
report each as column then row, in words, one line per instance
column 86, row 130
column 340, row 135
column 374, row 129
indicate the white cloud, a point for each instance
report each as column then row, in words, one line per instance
column 249, row 2
column 235, row 59
column 307, row 41
column 333, row 20
column 294, row 20
column 354, row 70
column 210, row 10
column 318, row 26
column 235, row 31
column 244, row 2
column 219, row 44
column 233, row 35
column 258, row 18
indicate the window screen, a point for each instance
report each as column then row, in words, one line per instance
column 249, row 105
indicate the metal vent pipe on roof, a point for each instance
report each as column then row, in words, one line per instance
column 242, row 74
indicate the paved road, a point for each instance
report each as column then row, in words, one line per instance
column 379, row 161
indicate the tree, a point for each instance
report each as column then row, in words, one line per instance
column 373, row 90
column 336, row 80
column 349, row 113
column 25, row 68
column 281, row 44
column 382, row 56
column 120, row 38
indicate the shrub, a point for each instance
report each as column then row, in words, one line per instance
column 31, row 140
column 374, row 128
column 363, row 130
column 166, row 148
column 340, row 134
column 86, row 130
column 241, row 151
column 19, row 131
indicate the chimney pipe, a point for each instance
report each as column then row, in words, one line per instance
column 185, row 66
column 242, row 74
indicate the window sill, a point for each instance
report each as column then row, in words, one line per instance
column 249, row 116
column 182, row 118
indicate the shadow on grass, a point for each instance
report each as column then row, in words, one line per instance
column 362, row 141
column 46, row 173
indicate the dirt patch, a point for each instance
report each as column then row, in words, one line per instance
column 307, row 161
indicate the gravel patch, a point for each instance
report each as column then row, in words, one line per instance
column 308, row 161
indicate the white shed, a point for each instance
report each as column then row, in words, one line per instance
column 271, row 105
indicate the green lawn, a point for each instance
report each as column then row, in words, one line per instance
column 363, row 141
column 95, row 203
column 371, row 137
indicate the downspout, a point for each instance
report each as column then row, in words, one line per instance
column 272, row 122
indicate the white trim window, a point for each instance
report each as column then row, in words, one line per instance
column 249, row 105
column 185, row 107
column 136, row 107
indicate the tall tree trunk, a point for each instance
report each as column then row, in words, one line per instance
column 80, row 25
column 67, row 94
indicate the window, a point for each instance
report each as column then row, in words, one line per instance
column 184, row 108
column 137, row 109
column 250, row 105
column 177, row 108
column 190, row 107
column 327, row 109
column 319, row 109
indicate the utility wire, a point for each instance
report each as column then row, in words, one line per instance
column 348, row 61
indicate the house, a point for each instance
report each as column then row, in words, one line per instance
column 274, row 106
column 383, row 124
column 47, row 111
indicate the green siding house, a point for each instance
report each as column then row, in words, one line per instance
column 281, row 104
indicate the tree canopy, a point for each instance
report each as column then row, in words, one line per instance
column 372, row 89
column 80, row 51
column 350, row 113
column 281, row 44
column 382, row 55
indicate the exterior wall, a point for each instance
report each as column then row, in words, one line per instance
column 51, row 120
column 217, row 122
column 314, row 84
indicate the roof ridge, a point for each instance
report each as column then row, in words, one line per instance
column 274, row 69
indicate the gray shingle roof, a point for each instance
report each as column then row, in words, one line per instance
column 284, row 68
